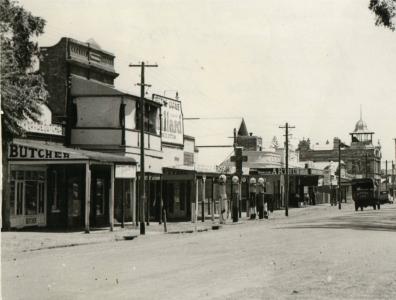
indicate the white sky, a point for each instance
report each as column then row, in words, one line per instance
column 310, row 63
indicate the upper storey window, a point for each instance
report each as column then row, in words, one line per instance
column 151, row 118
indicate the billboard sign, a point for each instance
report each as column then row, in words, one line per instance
column 172, row 120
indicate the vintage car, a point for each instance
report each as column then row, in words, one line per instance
column 364, row 193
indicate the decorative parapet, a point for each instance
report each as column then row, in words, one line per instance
column 91, row 55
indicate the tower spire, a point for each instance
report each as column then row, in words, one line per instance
column 361, row 112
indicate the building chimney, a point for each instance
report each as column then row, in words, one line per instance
column 336, row 143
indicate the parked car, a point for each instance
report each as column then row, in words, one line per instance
column 385, row 197
column 364, row 193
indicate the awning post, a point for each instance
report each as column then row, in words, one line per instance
column 132, row 196
column 111, row 198
column 203, row 197
column 87, row 195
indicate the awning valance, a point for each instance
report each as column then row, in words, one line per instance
column 55, row 153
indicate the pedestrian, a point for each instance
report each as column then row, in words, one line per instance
column 313, row 198
column 261, row 204
column 299, row 204
column 306, row 199
column 252, row 198
column 224, row 209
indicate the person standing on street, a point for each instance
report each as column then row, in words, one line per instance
column 223, row 199
column 252, row 198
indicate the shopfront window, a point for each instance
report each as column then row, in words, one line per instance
column 31, row 197
column 75, row 198
column 12, row 198
column 19, row 197
column 27, row 195
column 55, row 196
column 100, row 196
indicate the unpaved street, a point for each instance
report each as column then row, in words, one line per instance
column 316, row 253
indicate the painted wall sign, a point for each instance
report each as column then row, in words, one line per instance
column 172, row 120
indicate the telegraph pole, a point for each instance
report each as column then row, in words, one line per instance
column 386, row 175
column 339, row 174
column 393, row 180
column 287, row 127
column 235, row 144
column 142, row 187
column 341, row 144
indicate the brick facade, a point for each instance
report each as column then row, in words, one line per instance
column 69, row 57
column 362, row 158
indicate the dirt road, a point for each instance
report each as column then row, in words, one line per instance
column 315, row 253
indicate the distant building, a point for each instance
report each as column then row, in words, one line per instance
column 362, row 158
column 270, row 164
column 247, row 140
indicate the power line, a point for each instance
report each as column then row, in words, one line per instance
column 211, row 118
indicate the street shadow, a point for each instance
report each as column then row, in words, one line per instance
column 54, row 230
column 359, row 221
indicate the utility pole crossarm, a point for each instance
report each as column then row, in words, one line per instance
column 139, row 84
column 146, row 65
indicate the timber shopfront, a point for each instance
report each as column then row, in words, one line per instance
column 58, row 187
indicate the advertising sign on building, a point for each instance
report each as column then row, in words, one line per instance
column 44, row 123
column 327, row 177
column 35, row 152
column 125, row 171
column 172, row 120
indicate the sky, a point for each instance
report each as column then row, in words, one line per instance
column 270, row 62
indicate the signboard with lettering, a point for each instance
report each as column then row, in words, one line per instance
column 172, row 120
column 32, row 152
column 44, row 123
column 326, row 177
column 34, row 127
column 125, row 171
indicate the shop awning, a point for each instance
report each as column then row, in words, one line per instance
column 82, row 87
column 35, row 151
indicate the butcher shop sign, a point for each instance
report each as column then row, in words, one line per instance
column 32, row 152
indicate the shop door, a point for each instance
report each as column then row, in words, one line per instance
column 122, row 200
column 75, row 200
column 100, row 187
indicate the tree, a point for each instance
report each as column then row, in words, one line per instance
column 22, row 90
column 385, row 11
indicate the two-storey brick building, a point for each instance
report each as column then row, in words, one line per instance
column 361, row 159
column 64, row 173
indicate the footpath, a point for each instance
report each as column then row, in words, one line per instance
column 38, row 239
